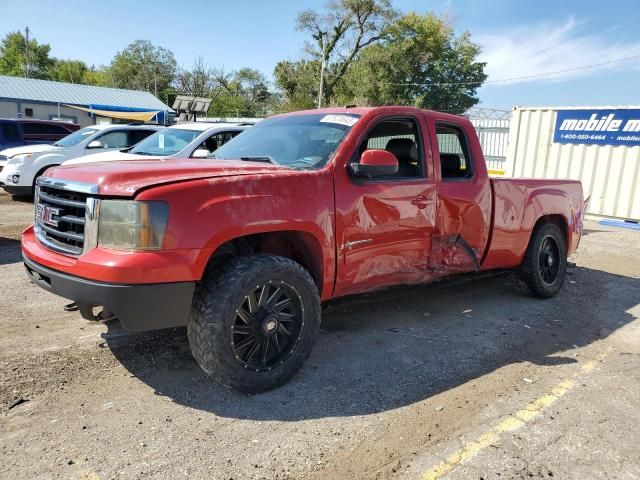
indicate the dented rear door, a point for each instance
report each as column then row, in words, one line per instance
column 464, row 198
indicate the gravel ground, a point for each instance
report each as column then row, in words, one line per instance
column 400, row 384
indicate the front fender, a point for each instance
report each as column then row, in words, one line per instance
column 204, row 214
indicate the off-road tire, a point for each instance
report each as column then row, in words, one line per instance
column 214, row 310
column 530, row 270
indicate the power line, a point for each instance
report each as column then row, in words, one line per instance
column 525, row 77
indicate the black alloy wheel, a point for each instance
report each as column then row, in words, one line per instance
column 267, row 325
column 544, row 266
column 254, row 321
column 549, row 260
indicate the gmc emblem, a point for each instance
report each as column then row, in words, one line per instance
column 45, row 214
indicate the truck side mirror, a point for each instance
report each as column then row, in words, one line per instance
column 374, row 164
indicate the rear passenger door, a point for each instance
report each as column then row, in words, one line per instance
column 463, row 220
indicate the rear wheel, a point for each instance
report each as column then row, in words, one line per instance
column 254, row 323
column 545, row 263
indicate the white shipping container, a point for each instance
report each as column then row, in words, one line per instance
column 610, row 175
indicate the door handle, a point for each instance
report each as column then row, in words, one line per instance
column 421, row 201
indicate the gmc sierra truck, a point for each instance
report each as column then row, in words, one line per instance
column 242, row 247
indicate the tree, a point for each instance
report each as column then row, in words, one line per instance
column 244, row 92
column 298, row 82
column 71, row 71
column 420, row 62
column 144, row 66
column 13, row 59
column 337, row 36
column 100, row 76
column 198, row 82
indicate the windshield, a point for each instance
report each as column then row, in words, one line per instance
column 165, row 142
column 76, row 137
column 297, row 141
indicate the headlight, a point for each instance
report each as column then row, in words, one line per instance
column 19, row 159
column 21, row 156
column 132, row 225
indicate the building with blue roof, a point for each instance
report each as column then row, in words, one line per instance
column 81, row 104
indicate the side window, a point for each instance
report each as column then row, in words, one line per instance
column 455, row 162
column 44, row 129
column 216, row 141
column 400, row 137
column 115, row 139
column 136, row 136
column 10, row 132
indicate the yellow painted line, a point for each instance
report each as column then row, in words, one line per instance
column 495, row 172
column 508, row 424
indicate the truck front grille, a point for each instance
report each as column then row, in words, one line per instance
column 63, row 216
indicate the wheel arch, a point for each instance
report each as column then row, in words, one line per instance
column 301, row 246
column 41, row 171
column 556, row 219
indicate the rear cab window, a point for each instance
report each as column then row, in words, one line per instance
column 455, row 161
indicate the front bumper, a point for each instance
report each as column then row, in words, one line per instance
column 17, row 190
column 21, row 187
column 138, row 306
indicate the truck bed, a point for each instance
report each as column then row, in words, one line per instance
column 519, row 203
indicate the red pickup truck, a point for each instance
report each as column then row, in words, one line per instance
column 244, row 246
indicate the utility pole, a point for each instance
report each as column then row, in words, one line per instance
column 323, row 39
column 26, row 53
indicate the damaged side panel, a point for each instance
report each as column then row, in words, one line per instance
column 462, row 231
column 452, row 253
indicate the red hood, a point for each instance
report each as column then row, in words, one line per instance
column 124, row 179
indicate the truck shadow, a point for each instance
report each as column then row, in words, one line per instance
column 392, row 349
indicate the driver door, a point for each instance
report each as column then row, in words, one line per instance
column 384, row 225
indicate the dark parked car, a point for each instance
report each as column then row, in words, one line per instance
column 17, row 132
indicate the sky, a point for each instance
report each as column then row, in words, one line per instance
column 518, row 38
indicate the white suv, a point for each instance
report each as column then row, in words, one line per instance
column 184, row 140
column 25, row 164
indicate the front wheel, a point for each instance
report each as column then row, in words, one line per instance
column 254, row 323
column 545, row 262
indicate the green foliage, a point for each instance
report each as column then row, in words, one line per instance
column 337, row 36
column 72, row 71
column 241, row 93
column 97, row 76
column 420, row 62
column 374, row 57
column 13, row 61
column 144, row 66
column 298, row 82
